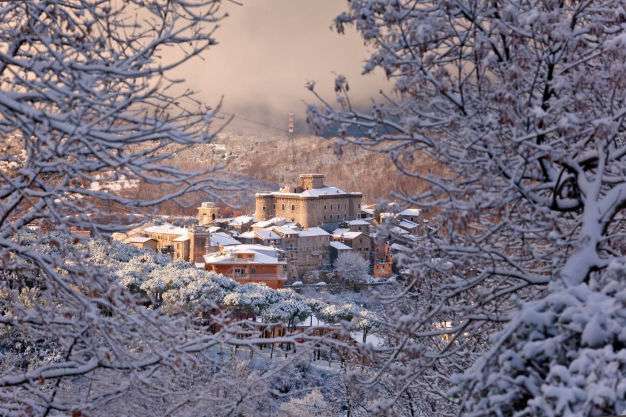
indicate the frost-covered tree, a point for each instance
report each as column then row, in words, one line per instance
column 519, row 108
column 88, row 97
column 312, row 404
column 352, row 269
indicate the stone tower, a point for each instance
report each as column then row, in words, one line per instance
column 265, row 208
column 199, row 241
column 207, row 213
column 310, row 181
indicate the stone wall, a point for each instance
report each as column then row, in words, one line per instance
column 207, row 213
column 307, row 211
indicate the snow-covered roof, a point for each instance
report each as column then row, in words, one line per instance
column 313, row 231
column 351, row 235
column 312, row 193
column 367, row 210
column 230, row 256
column 137, row 239
column 316, row 192
column 398, row 230
column 267, row 250
column 396, row 247
column 237, row 221
column 340, row 246
column 347, row 234
column 275, row 221
column 340, row 231
column 182, row 238
column 165, row 229
column 282, row 230
column 223, row 239
column 410, row 212
column 248, row 235
column 407, row 224
column 358, row 222
column 266, row 235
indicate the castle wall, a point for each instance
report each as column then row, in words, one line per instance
column 307, row 211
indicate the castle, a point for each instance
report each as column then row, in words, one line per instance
column 310, row 203
column 284, row 238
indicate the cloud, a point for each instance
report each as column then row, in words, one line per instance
column 268, row 49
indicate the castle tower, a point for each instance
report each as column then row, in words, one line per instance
column 208, row 212
column 264, row 209
column 310, row 181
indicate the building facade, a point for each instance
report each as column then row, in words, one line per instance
column 358, row 241
column 309, row 204
column 305, row 250
column 247, row 264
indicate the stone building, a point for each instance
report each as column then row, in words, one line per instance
column 358, row 225
column 336, row 249
column 199, row 241
column 165, row 236
column 410, row 214
column 310, row 203
column 305, row 250
column 358, row 241
column 249, row 264
column 142, row 242
column 383, row 261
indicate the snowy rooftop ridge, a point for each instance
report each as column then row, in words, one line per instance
column 410, row 212
column 346, row 234
column 260, row 255
column 312, row 193
column 223, row 239
column 166, row 229
column 339, row 245
column 313, row 231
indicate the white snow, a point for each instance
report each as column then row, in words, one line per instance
column 313, row 231
column 340, row 246
column 165, row 229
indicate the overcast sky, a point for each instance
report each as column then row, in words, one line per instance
column 268, row 50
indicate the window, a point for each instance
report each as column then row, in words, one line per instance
column 263, row 208
column 293, row 207
column 253, row 271
column 283, row 206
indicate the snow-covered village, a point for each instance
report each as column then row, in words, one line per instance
column 328, row 208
